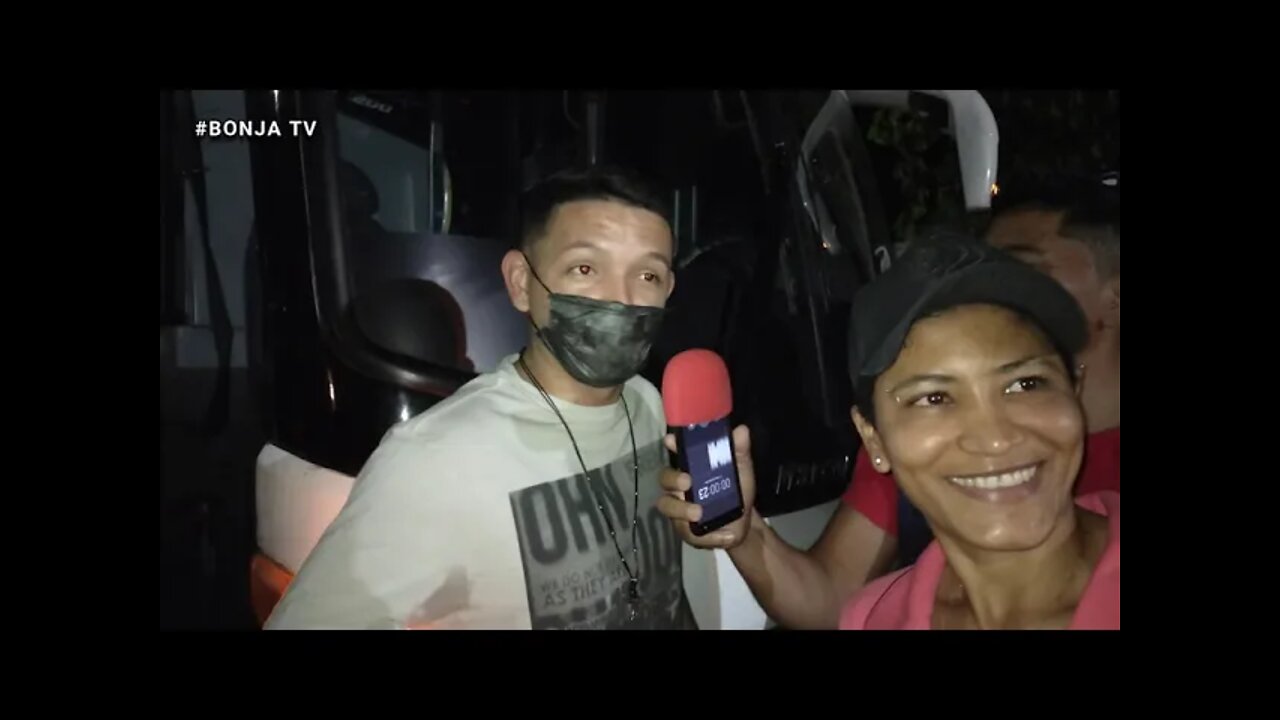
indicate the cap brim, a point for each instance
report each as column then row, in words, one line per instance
column 1020, row 288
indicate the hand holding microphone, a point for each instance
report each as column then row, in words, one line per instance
column 710, row 496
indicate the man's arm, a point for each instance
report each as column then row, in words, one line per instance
column 806, row 590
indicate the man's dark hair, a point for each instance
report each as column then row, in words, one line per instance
column 593, row 183
column 1090, row 209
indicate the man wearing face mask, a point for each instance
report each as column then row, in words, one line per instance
column 527, row 498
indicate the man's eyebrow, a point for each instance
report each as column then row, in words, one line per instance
column 654, row 254
column 581, row 245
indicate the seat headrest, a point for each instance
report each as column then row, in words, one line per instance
column 416, row 318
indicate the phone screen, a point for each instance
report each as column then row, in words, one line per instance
column 708, row 452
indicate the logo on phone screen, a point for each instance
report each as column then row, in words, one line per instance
column 718, row 453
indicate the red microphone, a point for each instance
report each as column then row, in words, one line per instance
column 698, row 400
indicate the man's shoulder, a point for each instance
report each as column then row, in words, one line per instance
column 481, row 416
column 1110, row 435
column 447, row 433
column 486, row 398
column 449, row 442
column 1101, row 469
column 649, row 394
column 640, row 384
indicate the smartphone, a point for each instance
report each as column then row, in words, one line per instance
column 705, row 451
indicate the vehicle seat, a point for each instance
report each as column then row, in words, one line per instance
column 416, row 318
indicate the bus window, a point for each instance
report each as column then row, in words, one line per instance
column 428, row 189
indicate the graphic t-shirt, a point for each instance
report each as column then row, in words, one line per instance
column 476, row 514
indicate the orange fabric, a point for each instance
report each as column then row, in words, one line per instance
column 267, row 582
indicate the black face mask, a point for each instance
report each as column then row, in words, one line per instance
column 599, row 343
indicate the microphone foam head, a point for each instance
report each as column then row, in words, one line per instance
column 695, row 388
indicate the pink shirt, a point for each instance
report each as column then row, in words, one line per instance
column 904, row 600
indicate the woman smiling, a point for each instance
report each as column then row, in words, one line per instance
column 961, row 358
